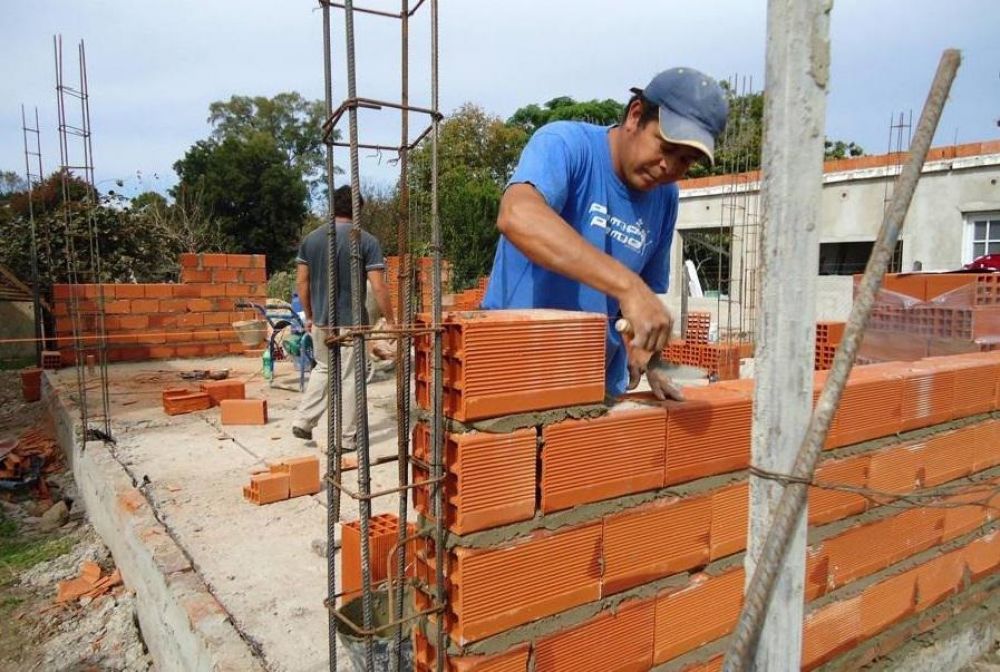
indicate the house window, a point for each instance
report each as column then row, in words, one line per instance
column 851, row 258
column 984, row 235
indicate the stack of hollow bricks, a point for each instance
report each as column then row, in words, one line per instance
column 925, row 314
column 424, row 288
column 828, row 337
column 720, row 360
column 192, row 318
column 620, row 537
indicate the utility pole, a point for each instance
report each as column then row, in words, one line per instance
column 796, row 76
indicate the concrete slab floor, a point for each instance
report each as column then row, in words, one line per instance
column 258, row 561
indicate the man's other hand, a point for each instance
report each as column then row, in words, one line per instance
column 660, row 383
column 650, row 320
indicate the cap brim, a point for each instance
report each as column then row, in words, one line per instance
column 680, row 130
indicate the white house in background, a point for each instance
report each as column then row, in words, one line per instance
column 954, row 217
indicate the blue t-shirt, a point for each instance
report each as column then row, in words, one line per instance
column 569, row 163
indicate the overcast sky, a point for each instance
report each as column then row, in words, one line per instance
column 155, row 65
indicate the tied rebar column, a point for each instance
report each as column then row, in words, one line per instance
column 358, row 353
column 334, row 410
column 31, row 179
column 402, row 317
column 437, row 438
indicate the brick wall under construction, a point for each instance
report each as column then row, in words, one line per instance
column 588, row 538
column 192, row 318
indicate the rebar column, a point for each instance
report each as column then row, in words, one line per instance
column 437, row 438
column 334, row 411
column 402, row 319
column 358, row 352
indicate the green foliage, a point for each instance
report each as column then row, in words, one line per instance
column 11, row 183
column 532, row 117
column 258, row 199
column 131, row 249
column 293, row 122
column 838, row 149
column 477, row 153
column 18, row 552
column 281, row 285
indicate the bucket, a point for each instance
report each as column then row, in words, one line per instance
column 250, row 332
column 353, row 645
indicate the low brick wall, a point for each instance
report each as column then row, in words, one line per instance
column 192, row 318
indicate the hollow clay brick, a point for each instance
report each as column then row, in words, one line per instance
column 707, row 434
column 383, row 535
column 239, row 260
column 224, row 389
column 610, row 642
column 303, row 474
column 243, row 411
column 126, row 291
column 224, row 275
column 189, row 260
column 475, row 498
column 589, row 460
column 267, row 488
column 702, row 612
column 680, row 529
column 158, row 291
column 543, row 574
column 888, row 602
column 730, row 520
column 830, row 630
column 827, row 505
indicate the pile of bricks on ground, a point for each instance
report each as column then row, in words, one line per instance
column 286, row 478
column 720, row 360
column 33, row 453
column 620, row 537
column 828, row 337
column 228, row 395
column 926, row 314
column 89, row 584
column 192, row 318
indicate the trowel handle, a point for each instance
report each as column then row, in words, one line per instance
column 623, row 326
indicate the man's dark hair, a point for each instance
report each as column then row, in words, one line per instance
column 649, row 110
column 342, row 202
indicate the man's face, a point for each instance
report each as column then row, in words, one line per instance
column 649, row 161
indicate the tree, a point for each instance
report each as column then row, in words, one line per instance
column 838, row 149
column 256, row 195
column 293, row 122
column 532, row 117
column 477, row 153
column 130, row 249
column 11, row 183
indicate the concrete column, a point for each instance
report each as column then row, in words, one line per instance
column 797, row 70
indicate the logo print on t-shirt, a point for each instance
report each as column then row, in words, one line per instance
column 632, row 236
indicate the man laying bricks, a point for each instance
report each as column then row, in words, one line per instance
column 588, row 217
column 311, row 284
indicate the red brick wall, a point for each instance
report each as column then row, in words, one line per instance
column 630, row 553
column 192, row 318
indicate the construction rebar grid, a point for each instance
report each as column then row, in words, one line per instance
column 356, row 336
column 89, row 268
column 33, row 178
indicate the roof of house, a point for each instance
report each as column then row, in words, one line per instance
column 855, row 163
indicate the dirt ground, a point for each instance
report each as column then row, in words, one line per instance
column 35, row 632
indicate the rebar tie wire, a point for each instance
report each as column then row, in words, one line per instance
column 743, row 644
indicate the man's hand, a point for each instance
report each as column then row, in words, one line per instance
column 659, row 381
column 651, row 322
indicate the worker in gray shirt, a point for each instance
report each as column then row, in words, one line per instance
column 311, row 284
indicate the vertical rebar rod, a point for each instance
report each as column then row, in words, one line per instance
column 96, row 264
column 35, row 280
column 334, row 414
column 743, row 642
column 70, row 247
column 402, row 341
column 437, row 437
column 358, row 354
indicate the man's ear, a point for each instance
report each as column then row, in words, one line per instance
column 634, row 114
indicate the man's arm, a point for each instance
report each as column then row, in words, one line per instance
column 381, row 291
column 302, row 287
column 547, row 240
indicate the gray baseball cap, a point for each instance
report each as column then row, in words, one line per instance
column 693, row 108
